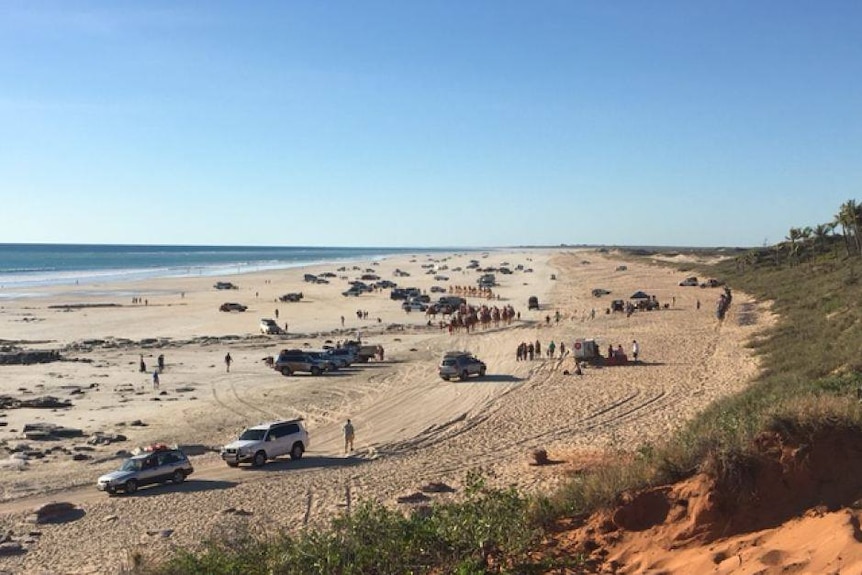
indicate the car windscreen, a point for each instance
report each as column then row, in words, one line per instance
column 252, row 434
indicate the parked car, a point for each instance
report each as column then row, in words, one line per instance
column 414, row 306
column 329, row 363
column 225, row 285
column 441, row 278
column 460, row 364
column 290, row 297
column 690, row 281
column 290, row 361
column 599, row 292
column 342, row 356
column 533, row 302
column 712, row 283
column 352, row 291
column 438, row 289
column 267, row 441
column 232, row 307
column 159, row 464
column 269, row 327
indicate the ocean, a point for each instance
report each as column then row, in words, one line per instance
column 24, row 266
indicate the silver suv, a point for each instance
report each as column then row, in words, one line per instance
column 158, row 465
column 267, row 441
column 460, row 364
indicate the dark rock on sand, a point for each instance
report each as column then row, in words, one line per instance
column 43, row 431
column 55, row 512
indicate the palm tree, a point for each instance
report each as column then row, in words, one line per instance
column 821, row 234
column 793, row 237
column 846, row 218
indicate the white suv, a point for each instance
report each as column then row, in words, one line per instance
column 267, row 441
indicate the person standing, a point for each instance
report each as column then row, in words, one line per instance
column 161, row 362
column 349, row 434
column 635, row 350
column 155, row 379
column 227, row 361
column 142, row 366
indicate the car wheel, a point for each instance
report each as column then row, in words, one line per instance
column 315, row 370
column 463, row 375
column 259, row 459
column 178, row 477
column 296, row 452
column 286, row 371
column 131, row 486
column 444, row 377
column 482, row 372
column 232, row 464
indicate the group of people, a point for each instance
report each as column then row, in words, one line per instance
column 531, row 351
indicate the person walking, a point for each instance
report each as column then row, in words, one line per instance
column 227, row 361
column 349, row 434
column 635, row 350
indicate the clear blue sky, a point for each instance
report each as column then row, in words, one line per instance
column 443, row 123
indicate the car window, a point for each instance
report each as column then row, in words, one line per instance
column 252, row 434
column 291, row 428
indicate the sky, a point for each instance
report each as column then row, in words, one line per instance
column 427, row 124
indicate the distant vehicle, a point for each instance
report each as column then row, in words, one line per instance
column 160, row 464
column 268, row 326
column 266, row 441
column 352, row 291
column 290, row 361
column 342, row 356
column 225, row 285
column 441, row 278
column 622, row 268
column 327, row 275
column 438, row 289
column 232, row 307
column 370, row 277
column 311, row 278
column 599, row 292
column 291, row 297
column 533, row 302
column 414, row 306
column 460, row 364
column 385, row 284
column 712, row 283
column 618, row 305
column 690, row 281
column 329, row 363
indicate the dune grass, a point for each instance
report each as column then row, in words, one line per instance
column 811, row 364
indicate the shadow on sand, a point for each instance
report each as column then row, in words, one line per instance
column 307, row 462
column 188, row 486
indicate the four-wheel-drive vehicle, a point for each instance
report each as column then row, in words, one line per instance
column 689, row 281
column 599, row 292
column 341, row 355
column 414, row 306
column 533, row 302
column 290, row 297
column 266, row 441
column 329, row 363
column 460, row 364
column 268, row 326
column 232, row 307
column 290, row 361
column 618, row 305
column 158, row 465
column 438, row 289
column 225, row 285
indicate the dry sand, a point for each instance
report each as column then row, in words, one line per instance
column 412, row 427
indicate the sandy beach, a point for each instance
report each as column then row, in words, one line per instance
column 412, row 427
